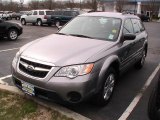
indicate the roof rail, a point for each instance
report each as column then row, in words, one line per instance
column 127, row 12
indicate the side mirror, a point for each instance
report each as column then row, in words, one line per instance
column 129, row 36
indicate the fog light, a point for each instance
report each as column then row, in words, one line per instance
column 74, row 97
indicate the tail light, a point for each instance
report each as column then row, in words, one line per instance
column 45, row 17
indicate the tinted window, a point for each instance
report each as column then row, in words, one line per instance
column 102, row 28
column 35, row 13
column 57, row 12
column 75, row 13
column 67, row 13
column 49, row 12
column 128, row 27
column 41, row 12
column 136, row 25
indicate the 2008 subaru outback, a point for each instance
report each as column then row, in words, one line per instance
column 83, row 59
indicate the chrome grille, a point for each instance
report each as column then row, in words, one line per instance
column 34, row 69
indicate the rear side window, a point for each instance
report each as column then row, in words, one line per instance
column 35, row 13
column 49, row 12
column 136, row 25
column 57, row 12
column 128, row 27
column 67, row 13
column 41, row 12
column 75, row 13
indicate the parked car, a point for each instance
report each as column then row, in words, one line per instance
column 61, row 17
column 154, row 103
column 82, row 60
column 38, row 17
column 144, row 17
column 10, row 30
column 8, row 14
column 3, row 15
column 18, row 15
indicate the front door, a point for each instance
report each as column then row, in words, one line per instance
column 126, row 48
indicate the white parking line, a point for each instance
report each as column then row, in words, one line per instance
column 5, row 77
column 135, row 101
column 8, row 50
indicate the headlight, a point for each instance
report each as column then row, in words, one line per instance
column 15, row 59
column 74, row 71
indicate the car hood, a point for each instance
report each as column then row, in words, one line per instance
column 63, row 50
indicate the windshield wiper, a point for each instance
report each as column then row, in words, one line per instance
column 62, row 34
column 77, row 35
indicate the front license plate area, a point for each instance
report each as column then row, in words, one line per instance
column 28, row 88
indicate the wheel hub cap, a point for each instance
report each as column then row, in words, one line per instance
column 109, row 86
column 13, row 35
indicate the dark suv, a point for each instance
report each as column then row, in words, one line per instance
column 83, row 59
column 60, row 17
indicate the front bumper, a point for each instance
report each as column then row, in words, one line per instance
column 60, row 88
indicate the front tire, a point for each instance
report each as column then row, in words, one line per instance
column 105, row 94
column 57, row 23
column 13, row 34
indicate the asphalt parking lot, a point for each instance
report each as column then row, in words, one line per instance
column 129, row 84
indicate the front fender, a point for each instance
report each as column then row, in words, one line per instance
column 106, row 64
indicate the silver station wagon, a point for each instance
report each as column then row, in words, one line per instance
column 83, row 59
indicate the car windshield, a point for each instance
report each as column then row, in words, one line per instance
column 102, row 28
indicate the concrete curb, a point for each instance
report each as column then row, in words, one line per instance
column 53, row 106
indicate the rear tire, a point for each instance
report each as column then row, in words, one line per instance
column 23, row 22
column 141, row 62
column 39, row 22
column 106, row 92
column 12, row 34
column 17, row 18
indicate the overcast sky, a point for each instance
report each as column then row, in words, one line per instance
column 25, row 1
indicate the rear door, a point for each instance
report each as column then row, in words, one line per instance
column 141, row 36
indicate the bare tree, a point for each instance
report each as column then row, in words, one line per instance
column 94, row 5
column 152, row 8
column 34, row 5
column 120, row 5
column 70, row 4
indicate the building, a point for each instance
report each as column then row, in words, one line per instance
column 132, row 6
